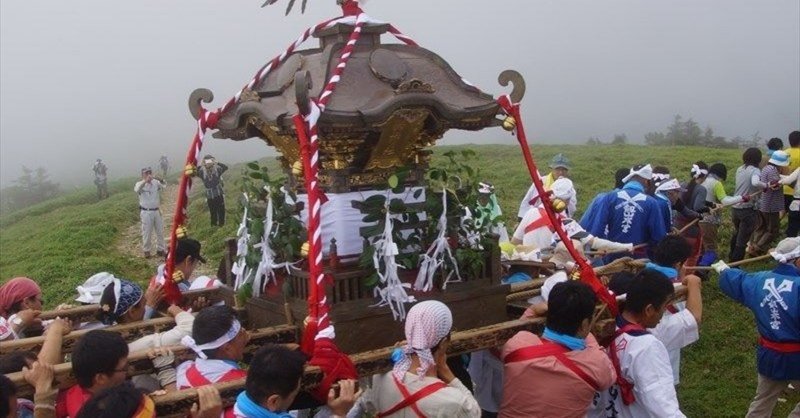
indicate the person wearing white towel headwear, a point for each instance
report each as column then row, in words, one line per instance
column 421, row 367
column 559, row 168
column 535, row 229
column 629, row 215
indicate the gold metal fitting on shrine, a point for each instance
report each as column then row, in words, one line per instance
column 305, row 249
column 297, row 168
column 509, row 123
column 558, row 205
column 190, row 170
column 181, row 232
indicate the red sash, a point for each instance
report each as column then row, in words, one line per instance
column 547, row 349
column 672, row 309
column 196, row 379
column 786, row 348
column 625, row 387
column 543, row 221
column 71, row 401
column 410, row 400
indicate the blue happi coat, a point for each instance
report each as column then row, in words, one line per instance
column 666, row 210
column 774, row 298
column 629, row 215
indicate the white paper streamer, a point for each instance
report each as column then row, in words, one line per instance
column 434, row 258
column 393, row 294
column 239, row 268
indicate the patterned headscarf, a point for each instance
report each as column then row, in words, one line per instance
column 427, row 324
column 126, row 295
column 16, row 290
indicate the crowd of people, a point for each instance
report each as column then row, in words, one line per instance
column 566, row 371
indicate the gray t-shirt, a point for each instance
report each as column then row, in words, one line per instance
column 747, row 183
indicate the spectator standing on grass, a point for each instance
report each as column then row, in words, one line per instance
column 149, row 190
column 790, row 193
column 774, row 144
column 770, row 205
column 774, row 298
column 163, row 163
column 211, row 174
column 100, row 178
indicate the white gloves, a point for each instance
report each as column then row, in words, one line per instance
column 720, row 266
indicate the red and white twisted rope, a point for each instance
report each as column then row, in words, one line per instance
column 208, row 120
column 318, row 302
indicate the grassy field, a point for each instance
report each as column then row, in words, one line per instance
column 63, row 241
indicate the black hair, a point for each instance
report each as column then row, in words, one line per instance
column 274, row 370
column 620, row 174
column 752, row 156
column 122, row 400
column 794, row 139
column 687, row 196
column 211, row 323
column 7, row 389
column 15, row 361
column 649, row 287
column 775, row 144
column 719, row 170
column 569, row 304
column 620, row 282
column 107, row 317
column 671, row 250
column 97, row 352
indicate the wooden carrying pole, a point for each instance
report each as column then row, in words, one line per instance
column 734, row 264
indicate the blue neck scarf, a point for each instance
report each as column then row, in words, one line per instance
column 573, row 343
column 671, row 273
column 635, row 185
column 662, row 196
column 250, row 409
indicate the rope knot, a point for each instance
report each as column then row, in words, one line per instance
column 211, row 119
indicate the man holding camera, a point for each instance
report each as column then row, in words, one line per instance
column 211, row 174
column 149, row 191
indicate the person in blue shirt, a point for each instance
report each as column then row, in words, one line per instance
column 628, row 215
column 591, row 210
column 774, row 298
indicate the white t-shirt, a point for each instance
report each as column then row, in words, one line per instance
column 644, row 361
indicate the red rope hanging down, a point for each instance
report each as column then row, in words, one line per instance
column 587, row 272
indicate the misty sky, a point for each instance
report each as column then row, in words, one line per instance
column 96, row 78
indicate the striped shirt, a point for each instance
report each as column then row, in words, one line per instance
column 771, row 200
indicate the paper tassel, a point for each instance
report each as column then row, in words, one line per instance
column 434, row 258
column 393, row 294
column 265, row 271
column 239, row 268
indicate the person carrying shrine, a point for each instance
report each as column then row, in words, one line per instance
column 774, row 298
column 20, row 306
column 557, row 374
column 211, row 174
column 421, row 383
column 536, row 230
column 640, row 344
column 630, row 215
column 559, row 168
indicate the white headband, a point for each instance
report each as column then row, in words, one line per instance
column 786, row 258
column 189, row 342
column 645, row 172
column 672, row 184
column 698, row 172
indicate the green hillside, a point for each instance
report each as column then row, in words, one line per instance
column 63, row 241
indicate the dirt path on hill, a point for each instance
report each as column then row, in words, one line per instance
column 130, row 242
